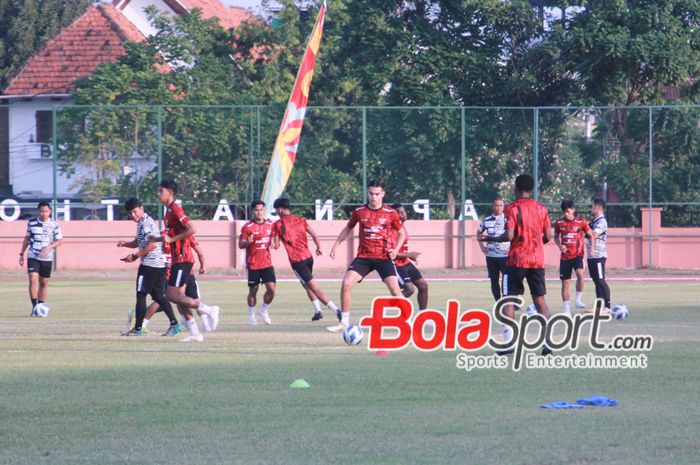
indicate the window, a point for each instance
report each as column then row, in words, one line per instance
column 44, row 126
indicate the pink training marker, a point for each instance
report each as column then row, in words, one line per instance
column 382, row 353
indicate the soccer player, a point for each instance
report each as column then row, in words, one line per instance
column 569, row 232
column 151, row 273
column 496, row 252
column 292, row 231
column 598, row 254
column 375, row 250
column 43, row 236
column 256, row 238
column 180, row 229
column 528, row 228
column 408, row 275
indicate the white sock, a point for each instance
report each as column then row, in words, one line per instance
column 345, row 318
column 579, row 296
column 145, row 323
column 202, row 307
column 316, row 304
column 332, row 306
column 251, row 311
column 567, row 307
column 507, row 333
column 264, row 308
column 192, row 327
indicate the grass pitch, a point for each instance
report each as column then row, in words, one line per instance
column 74, row 392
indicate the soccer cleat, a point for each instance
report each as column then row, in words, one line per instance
column 580, row 304
column 214, row 317
column 317, row 316
column 266, row 317
column 134, row 332
column 603, row 311
column 145, row 330
column 173, row 330
column 251, row 320
column 193, row 338
column 339, row 328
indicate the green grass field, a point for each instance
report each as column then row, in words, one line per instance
column 74, row 392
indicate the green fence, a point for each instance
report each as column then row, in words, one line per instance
column 633, row 157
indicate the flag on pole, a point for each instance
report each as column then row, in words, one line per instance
column 287, row 143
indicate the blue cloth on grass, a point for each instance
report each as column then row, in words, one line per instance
column 561, row 404
column 599, row 401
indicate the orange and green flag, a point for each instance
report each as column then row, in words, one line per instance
column 285, row 151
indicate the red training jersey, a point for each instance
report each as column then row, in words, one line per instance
column 291, row 230
column 258, row 252
column 571, row 236
column 404, row 249
column 529, row 219
column 376, row 227
column 175, row 222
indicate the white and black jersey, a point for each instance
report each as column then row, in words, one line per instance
column 599, row 248
column 42, row 234
column 494, row 227
column 146, row 228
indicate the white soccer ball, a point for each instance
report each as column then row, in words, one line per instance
column 41, row 310
column 620, row 312
column 353, row 335
column 531, row 310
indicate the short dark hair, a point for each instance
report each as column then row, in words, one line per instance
column 525, row 183
column 281, row 203
column 169, row 184
column 497, row 198
column 255, row 203
column 396, row 206
column 566, row 204
column 132, row 203
column 599, row 202
column 43, row 203
column 376, row 183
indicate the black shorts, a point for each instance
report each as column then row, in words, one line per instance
column 192, row 289
column 304, row 270
column 408, row 274
column 596, row 268
column 39, row 266
column 496, row 266
column 364, row 266
column 566, row 266
column 151, row 280
column 263, row 275
column 179, row 272
column 513, row 281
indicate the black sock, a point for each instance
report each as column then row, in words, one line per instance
column 140, row 310
column 40, row 301
column 167, row 308
column 33, row 303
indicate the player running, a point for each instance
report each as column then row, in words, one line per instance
column 292, row 231
column 43, row 236
column 598, row 254
column 180, row 229
column 375, row 251
column 496, row 253
column 408, row 275
column 528, row 228
column 569, row 232
column 256, row 238
column 151, row 273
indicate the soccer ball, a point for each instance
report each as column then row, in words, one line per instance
column 620, row 312
column 353, row 335
column 531, row 310
column 41, row 310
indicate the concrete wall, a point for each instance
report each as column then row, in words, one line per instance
column 90, row 245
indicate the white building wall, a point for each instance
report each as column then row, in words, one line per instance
column 134, row 13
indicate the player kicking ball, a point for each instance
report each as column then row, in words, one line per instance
column 150, row 278
column 180, row 229
column 292, row 231
column 256, row 238
column 569, row 232
column 377, row 226
column 43, row 236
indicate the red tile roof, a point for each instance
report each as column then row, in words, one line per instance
column 228, row 16
column 95, row 37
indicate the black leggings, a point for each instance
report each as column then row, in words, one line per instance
column 596, row 268
column 496, row 266
column 141, row 308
